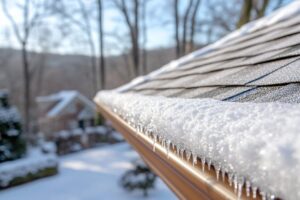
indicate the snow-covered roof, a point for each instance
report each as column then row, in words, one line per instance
column 63, row 99
column 281, row 15
column 233, row 104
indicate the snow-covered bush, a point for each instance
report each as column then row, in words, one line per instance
column 68, row 141
column 34, row 165
column 139, row 178
column 12, row 145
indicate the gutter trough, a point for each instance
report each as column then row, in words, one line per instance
column 184, row 179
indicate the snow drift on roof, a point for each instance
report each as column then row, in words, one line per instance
column 256, row 144
column 281, row 14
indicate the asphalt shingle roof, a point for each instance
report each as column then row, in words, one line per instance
column 261, row 66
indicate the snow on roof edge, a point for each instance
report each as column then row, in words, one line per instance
column 257, row 144
column 279, row 15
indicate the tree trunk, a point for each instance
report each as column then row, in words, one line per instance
column 245, row 13
column 193, row 24
column 144, row 65
column 93, row 64
column 101, row 46
column 176, row 17
column 135, row 39
column 262, row 10
column 27, row 103
column 185, row 25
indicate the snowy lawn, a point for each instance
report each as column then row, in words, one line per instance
column 89, row 175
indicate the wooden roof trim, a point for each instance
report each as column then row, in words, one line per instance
column 184, row 179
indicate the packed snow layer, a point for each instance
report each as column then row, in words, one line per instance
column 32, row 163
column 256, row 144
column 89, row 175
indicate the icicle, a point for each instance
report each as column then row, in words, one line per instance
column 146, row 133
column 177, row 151
column 217, row 169
column 188, row 155
column 173, row 146
column 240, row 190
column 254, row 192
column 181, row 153
column 159, row 138
column 194, row 159
column 209, row 164
column 223, row 174
column 241, row 182
column 263, row 195
column 203, row 163
column 168, row 148
column 248, row 185
column 235, row 182
column 163, row 142
column 154, row 141
column 230, row 178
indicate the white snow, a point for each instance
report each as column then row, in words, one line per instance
column 101, row 130
column 64, row 134
column 48, row 147
column 116, row 135
column 89, row 175
column 279, row 15
column 9, row 114
column 64, row 98
column 257, row 142
column 32, row 163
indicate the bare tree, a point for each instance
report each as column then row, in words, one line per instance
column 176, row 26
column 185, row 25
column 131, row 17
column 186, row 20
column 260, row 8
column 101, row 45
column 144, row 36
column 255, row 9
column 78, row 14
column 32, row 13
column 245, row 16
column 193, row 24
column 221, row 18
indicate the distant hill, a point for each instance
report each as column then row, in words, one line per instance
column 55, row 72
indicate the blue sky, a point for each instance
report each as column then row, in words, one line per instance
column 160, row 37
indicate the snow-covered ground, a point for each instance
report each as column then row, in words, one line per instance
column 89, row 175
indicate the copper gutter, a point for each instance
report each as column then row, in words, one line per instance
column 184, row 179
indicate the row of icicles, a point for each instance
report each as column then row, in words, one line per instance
column 235, row 181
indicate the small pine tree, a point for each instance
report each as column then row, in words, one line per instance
column 12, row 145
column 139, row 178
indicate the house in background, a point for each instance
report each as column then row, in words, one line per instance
column 65, row 110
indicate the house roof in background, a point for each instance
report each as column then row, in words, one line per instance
column 63, row 99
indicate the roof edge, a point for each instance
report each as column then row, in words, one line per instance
column 184, row 179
